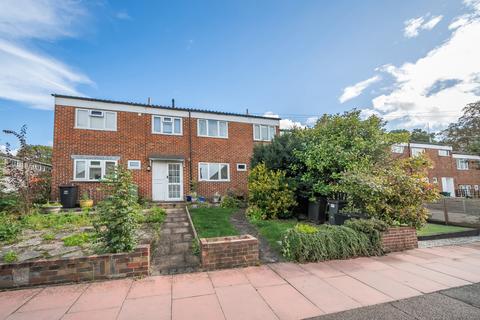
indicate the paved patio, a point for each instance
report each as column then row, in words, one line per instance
column 276, row 291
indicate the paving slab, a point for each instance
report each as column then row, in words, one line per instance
column 243, row 302
column 12, row 300
column 287, row 303
column 288, row 270
column 47, row 314
column 324, row 296
column 104, row 314
column 146, row 308
column 229, row 277
column 151, row 286
column 321, row 270
column 191, row 285
column 413, row 281
column 262, row 276
column 54, row 298
column 198, row 308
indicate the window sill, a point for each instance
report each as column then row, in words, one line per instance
column 109, row 130
column 200, row 136
column 168, row 134
column 214, row 180
column 88, row 181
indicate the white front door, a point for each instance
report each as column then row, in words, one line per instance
column 448, row 186
column 167, row 181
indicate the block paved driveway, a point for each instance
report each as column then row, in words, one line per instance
column 276, row 291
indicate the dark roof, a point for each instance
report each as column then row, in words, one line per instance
column 164, row 107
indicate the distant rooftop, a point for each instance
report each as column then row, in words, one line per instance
column 163, row 107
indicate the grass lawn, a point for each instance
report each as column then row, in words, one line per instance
column 273, row 230
column 431, row 229
column 213, row 222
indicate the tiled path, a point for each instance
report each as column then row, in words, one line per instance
column 276, row 291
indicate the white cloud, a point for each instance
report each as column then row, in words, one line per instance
column 357, row 89
column 433, row 90
column 123, row 15
column 285, row 124
column 26, row 74
column 311, row 121
column 414, row 26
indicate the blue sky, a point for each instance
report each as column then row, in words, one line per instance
column 413, row 62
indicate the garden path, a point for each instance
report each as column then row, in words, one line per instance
column 240, row 222
column 173, row 253
column 273, row 291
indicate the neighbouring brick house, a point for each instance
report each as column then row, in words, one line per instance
column 165, row 147
column 453, row 172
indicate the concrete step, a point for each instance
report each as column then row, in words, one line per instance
column 171, row 205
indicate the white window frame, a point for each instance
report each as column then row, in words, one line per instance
column 270, row 138
column 398, row 149
column 206, row 126
column 88, row 127
column 130, row 167
column 417, row 152
column 219, row 170
column 241, row 164
column 443, row 153
column 87, row 168
column 464, row 166
column 161, row 125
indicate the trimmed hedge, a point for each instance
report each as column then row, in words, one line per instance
column 357, row 238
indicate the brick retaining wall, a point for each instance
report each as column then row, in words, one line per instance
column 97, row 267
column 229, row 252
column 399, row 239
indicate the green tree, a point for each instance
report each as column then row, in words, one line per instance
column 417, row 135
column 343, row 143
column 280, row 155
column 270, row 192
column 44, row 153
column 394, row 193
column 117, row 214
column 464, row 135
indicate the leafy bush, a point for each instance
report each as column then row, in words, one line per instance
column 10, row 256
column 77, row 239
column 371, row 227
column 10, row 227
column 303, row 243
column 229, row 202
column 255, row 214
column 270, row 192
column 116, row 223
column 394, row 194
column 8, row 202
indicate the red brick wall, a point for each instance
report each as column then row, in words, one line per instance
column 133, row 140
column 447, row 167
column 399, row 239
column 107, row 266
column 229, row 252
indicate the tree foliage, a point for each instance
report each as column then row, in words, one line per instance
column 417, row 135
column 22, row 176
column 464, row 135
column 270, row 192
column 394, row 193
column 117, row 213
column 343, row 143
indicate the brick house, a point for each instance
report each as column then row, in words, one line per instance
column 166, row 148
column 453, row 172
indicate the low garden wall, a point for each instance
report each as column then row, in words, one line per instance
column 96, row 267
column 229, row 252
column 399, row 239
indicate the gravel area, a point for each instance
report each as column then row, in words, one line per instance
column 446, row 242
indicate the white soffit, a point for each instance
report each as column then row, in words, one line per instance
column 465, row 156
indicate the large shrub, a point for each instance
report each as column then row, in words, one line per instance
column 307, row 244
column 270, row 192
column 118, row 213
column 394, row 193
column 10, row 227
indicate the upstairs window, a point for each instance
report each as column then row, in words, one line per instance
column 212, row 128
column 214, row 171
column 417, row 151
column 443, row 153
column 462, row 164
column 397, row 149
column 263, row 133
column 95, row 120
column 166, row 125
column 92, row 170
